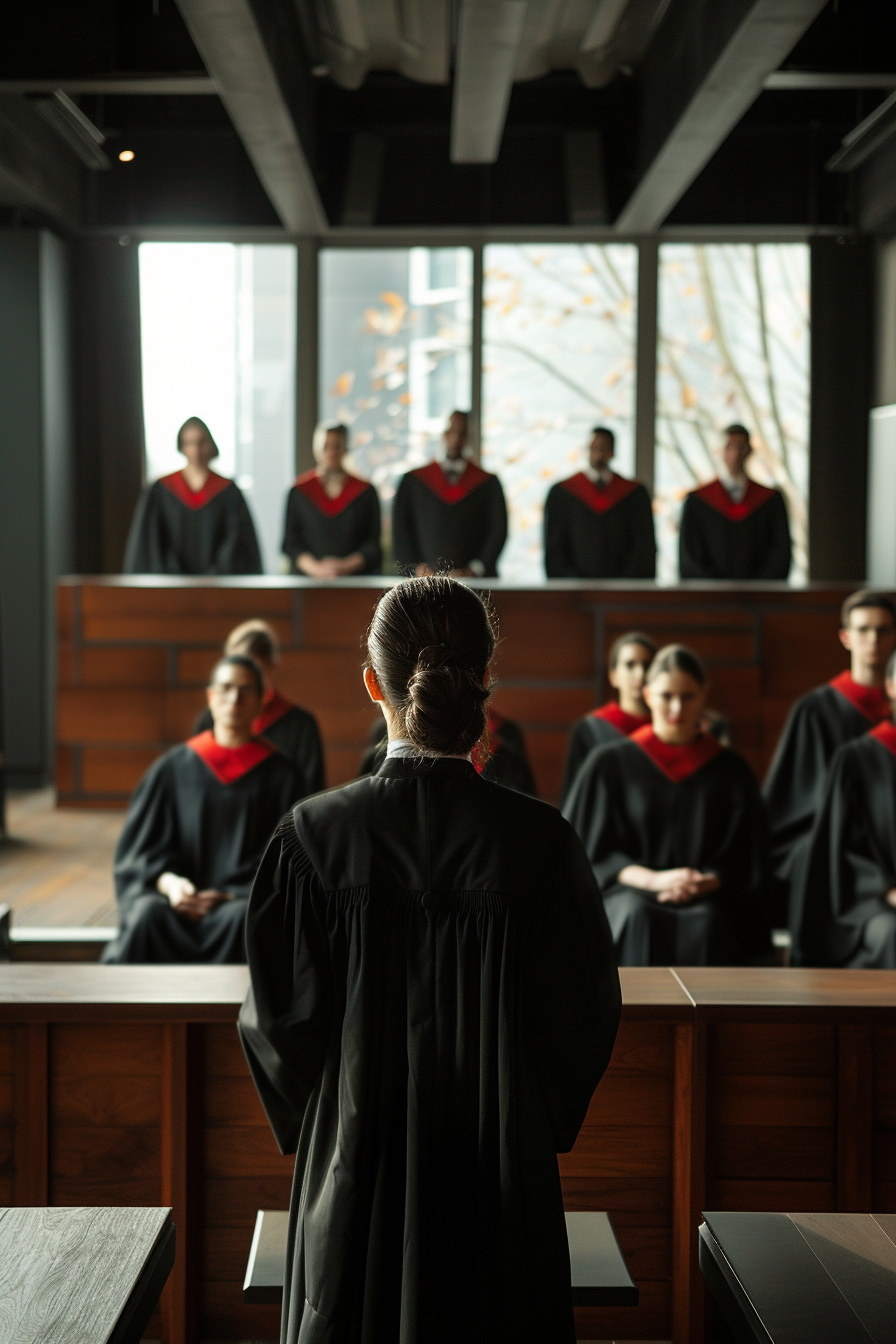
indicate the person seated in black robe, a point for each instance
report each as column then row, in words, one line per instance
column 507, row 763
column 630, row 657
column 848, row 905
column 819, row 723
column 195, row 832
column 734, row 528
column 434, row 999
column 332, row 525
column 450, row 514
column 193, row 521
column 288, row 727
column 598, row 525
column 674, row 825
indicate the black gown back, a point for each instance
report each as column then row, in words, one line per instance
column 434, row 999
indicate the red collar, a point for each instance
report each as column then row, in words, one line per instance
column 434, row 477
column 718, row 498
column 599, row 498
column 868, row 700
column 614, row 714
column 885, row 734
column 312, row 488
column 495, row 720
column 677, row 763
column 273, row 707
column 194, row 499
column 229, row 763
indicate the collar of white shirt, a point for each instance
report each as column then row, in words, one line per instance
column 454, row 467
column 736, row 487
column 400, row 746
column 598, row 475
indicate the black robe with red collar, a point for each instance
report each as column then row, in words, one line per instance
column 447, row 526
column 594, row 531
column 609, row 723
column 325, row 527
column 294, row 731
column 177, row 530
column 640, row 801
column 719, row 539
column 204, row 812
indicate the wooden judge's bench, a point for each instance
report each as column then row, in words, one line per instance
column 134, row 656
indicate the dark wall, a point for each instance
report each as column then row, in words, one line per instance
column 842, row 281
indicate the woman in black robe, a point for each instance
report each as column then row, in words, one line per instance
column 195, row 831
column 675, row 828
column 193, row 521
column 433, row 1002
column 630, row 657
column 332, row 525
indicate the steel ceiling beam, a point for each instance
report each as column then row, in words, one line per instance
column 488, row 42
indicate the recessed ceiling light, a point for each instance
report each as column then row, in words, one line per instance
column 126, row 155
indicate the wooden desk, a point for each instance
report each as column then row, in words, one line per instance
column 803, row 1278
column 135, row 654
column 72, row 1275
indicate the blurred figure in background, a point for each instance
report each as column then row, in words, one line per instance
column 332, row 525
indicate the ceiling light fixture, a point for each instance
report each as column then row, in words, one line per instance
column 126, row 156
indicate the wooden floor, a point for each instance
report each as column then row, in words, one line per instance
column 56, row 866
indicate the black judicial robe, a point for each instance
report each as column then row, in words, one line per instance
column 325, row 527
column 819, row 723
column 434, row 999
column 641, row 801
column 205, row 812
column 444, row 525
column 293, row 731
column 719, row 539
column 177, row 530
column 594, row 531
column 508, row 762
column 844, row 919
column 609, row 723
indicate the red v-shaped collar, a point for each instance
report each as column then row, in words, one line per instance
column 273, row 707
column 627, row 724
column 434, row 477
column 194, row 499
column 885, row 734
column 868, row 700
column 677, row 763
column 228, row 764
column 599, row 498
column 312, row 488
column 718, row 498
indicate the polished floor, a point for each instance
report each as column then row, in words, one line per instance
column 56, row 864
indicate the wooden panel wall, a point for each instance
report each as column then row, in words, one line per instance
column 133, row 662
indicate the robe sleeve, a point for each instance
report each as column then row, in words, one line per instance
column 794, row 783
column 294, row 542
column 406, row 549
column 285, row 1021
column 693, row 557
column 571, row 993
column 492, row 543
column 150, row 841
column 591, row 810
column 145, row 550
column 642, row 564
column 581, row 742
column 557, row 559
column 241, row 554
column 776, row 562
column 371, row 546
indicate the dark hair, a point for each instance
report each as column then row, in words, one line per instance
column 678, row 658
column 602, row 429
column 239, row 660
column 890, row 673
column 195, row 423
column 256, row 639
column 866, row 597
column 429, row 643
column 632, row 637
column 738, row 429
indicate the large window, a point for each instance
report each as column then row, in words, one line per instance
column 732, row 346
column 558, row 358
column 218, row 326
column 394, row 352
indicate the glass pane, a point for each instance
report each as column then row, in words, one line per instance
column 558, row 359
column 218, row 325
column 394, row 352
column 732, row 346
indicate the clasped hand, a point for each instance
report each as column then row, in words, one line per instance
column 186, row 900
column 673, row 886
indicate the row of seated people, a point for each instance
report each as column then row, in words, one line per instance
column 687, row 853
column 452, row 514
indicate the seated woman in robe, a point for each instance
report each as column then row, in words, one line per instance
column 195, row 832
column 847, row 913
column 193, row 521
column 676, row 832
column 332, row 518
column 434, row 999
column 285, row 725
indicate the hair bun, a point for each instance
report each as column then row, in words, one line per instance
column 447, row 708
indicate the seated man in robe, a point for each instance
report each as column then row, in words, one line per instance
column 450, row 514
column 848, row 907
column 734, row 528
column 827, row 718
column 598, row 525
column 287, row 726
column 195, row 832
